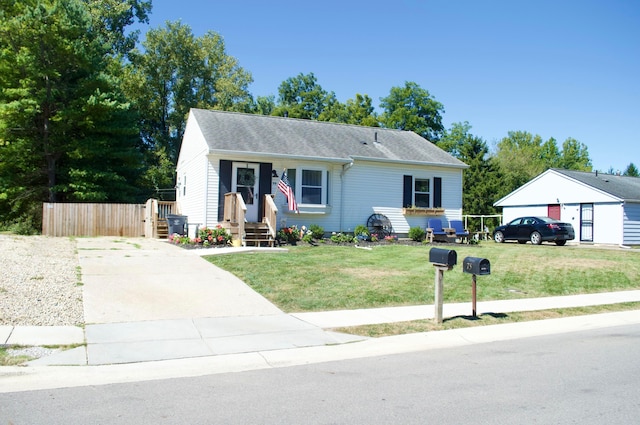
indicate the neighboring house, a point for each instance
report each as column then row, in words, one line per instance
column 341, row 174
column 602, row 208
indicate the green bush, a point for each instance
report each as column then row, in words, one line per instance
column 341, row 238
column 416, row 234
column 361, row 230
column 317, row 232
column 23, row 226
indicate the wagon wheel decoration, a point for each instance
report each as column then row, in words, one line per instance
column 380, row 225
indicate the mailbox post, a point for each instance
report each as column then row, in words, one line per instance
column 475, row 266
column 442, row 259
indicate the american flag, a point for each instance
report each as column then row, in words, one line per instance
column 285, row 187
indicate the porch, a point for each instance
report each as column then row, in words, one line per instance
column 261, row 233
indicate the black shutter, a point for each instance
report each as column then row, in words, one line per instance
column 264, row 187
column 437, row 192
column 407, row 192
column 224, row 185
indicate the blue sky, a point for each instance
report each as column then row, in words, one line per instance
column 555, row 68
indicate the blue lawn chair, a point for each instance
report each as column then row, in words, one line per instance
column 461, row 232
column 435, row 230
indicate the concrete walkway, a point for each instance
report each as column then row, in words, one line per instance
column 146, row 300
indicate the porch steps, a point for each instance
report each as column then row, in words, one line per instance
column 162, row 228
column 257, row 234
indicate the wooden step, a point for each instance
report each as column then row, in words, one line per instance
column 257, row 234
column 162, row 228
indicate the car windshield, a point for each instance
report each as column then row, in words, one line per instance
column 515, row 222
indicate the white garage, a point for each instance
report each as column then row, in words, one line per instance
column 603, row 208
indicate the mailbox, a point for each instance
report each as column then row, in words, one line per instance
column 477, row 266
column 446, row 257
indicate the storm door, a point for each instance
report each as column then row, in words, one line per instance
column 245, row 181
column 586, row 222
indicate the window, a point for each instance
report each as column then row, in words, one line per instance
column 310, row 185
column 421, row 193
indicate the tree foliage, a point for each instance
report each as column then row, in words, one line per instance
column 481, row 179
column 412, row 108
column 302, row 97
column 521, row 156
column 59, row 104
column 631, row 171
column 176, row 72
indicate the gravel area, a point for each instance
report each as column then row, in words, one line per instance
column 39, row 281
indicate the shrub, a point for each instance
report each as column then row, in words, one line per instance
column 288, row 234
column 317, row 232
column 24, row 225
column 216, row 236
column 361, row 230
column 417, row 234
column 341, row 238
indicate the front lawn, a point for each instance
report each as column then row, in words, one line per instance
column 332, row 277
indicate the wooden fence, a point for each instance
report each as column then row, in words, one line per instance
column 75, row 219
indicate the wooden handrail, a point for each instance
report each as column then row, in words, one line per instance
column 235, row 211
column 165, row 207
column 270, row 214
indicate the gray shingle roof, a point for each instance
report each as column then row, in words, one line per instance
column 623, row 187
column 239, row 132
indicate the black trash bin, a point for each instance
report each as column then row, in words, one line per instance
column 177, row 224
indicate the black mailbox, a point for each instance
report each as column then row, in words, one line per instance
column 446, row 257
column 477, row 266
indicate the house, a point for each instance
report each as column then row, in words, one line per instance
column 341, row 174
column 603, row 208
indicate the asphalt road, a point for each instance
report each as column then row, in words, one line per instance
column 590, row 377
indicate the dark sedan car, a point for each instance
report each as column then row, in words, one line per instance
column 536, row 230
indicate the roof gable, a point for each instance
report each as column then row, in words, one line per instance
column 624, row 187
column 237, row 132
column 568, row 186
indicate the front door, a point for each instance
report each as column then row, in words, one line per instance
column 245, row 181
column 586, row 222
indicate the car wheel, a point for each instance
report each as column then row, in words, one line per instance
column 536, row 238
column 498, row 237
column 521, row 242
column 561, row 243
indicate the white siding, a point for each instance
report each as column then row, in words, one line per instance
column 365, row 188
column 329, row 217
column 510, row 213
column 607, row 224
column 606, row 219
column 212, row 191
column 363, row 197
column 632, row 224
column 192, row 176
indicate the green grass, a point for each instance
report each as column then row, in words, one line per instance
column 331, row 277
column 414, row 326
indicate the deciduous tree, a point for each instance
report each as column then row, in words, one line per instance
column 176, row 72
column 302, row 97
column 412, row 108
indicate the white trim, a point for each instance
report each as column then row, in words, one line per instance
column 402, row 161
